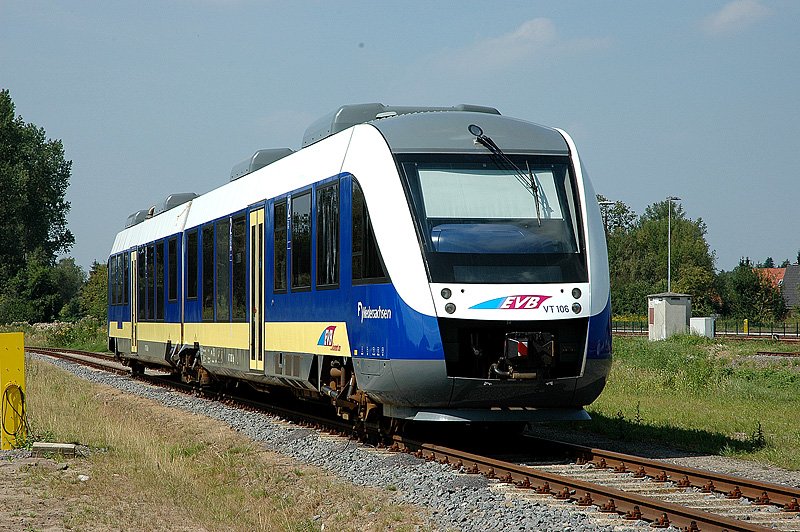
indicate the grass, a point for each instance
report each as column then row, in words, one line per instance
column 154, row 467
column 702, row 395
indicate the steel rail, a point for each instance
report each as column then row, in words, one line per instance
column 707, row 481
column 104, row 362
column 780, row 337
column 776, row 354
column 609, row 500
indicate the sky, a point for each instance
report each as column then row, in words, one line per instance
column 699, row 100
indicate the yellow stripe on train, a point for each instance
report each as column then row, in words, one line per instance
column 319, row 338
column 235, row 335
column 118, row 329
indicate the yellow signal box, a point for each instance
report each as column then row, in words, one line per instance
column 12, row 390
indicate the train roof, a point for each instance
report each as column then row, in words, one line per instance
column 405, row 129
column 440, row 129
column 165, row 224
column 449, row 132
column 259, row 160
column 348, row 116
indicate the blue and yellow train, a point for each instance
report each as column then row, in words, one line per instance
column 429, row 264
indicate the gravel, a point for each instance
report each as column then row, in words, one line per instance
column 455, row 501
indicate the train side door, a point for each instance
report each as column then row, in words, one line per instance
column 257, row 290
column 134, row 300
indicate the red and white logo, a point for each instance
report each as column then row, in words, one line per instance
column 326, row 338
column 523, row 302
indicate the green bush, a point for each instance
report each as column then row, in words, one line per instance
column 88, row 334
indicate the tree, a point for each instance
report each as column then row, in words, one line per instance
column 768, row 263
column 746, row 293
column 70, row 279
column 785, row 263
column 33, row 181
column 33, row 229
column 637, row 250
column 33, row 293
column 617, row 217
column 94, row 293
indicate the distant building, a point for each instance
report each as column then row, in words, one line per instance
column 775, row 275
column 787, row 280
column 790, row 288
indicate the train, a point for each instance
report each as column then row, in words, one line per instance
column 409, row 264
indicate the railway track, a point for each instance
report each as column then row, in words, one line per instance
column 629, row 487
column 783, row 338
column 762, row 492
column 776, row 354
column 87, row 358
column 621, row 487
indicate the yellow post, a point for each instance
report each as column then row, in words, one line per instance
column 746, row 326
column 12, row 390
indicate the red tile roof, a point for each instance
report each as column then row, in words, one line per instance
column 775, row 275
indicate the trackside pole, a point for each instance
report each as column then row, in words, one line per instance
column 12, row 390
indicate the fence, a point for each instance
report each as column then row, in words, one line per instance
column 629, row 327
column 722, row 328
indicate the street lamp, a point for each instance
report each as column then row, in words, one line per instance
column 604, row 205
column 670, row 199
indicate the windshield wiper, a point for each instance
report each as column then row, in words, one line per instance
column 529, row 182
column 535, row 192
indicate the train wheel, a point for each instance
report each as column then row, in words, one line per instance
column 137, row 368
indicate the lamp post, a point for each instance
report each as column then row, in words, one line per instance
column 604, row 205
column 670, row 199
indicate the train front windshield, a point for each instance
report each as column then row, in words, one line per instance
column 484, row 222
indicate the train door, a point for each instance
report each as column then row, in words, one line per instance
column 134, row 300
column 257, row 289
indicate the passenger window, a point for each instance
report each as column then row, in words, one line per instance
column 301, row 241
column 172, row 259
column 150, row 276
column 159, row 299
column 223, row 269
column 142, row 284
column 367, row 262
column 126, row 260
column 112, row 280
column 328, row 236
column 238, row 254
column 279, row 239
column 191, row 265
column 208, row 272
column 118, row 279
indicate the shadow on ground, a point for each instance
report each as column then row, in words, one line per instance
column 652, row 441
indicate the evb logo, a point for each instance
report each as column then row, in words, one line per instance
column 521, row 302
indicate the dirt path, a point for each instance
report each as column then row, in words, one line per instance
column 24, row 500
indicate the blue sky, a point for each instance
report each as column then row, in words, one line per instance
column 694, row 99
